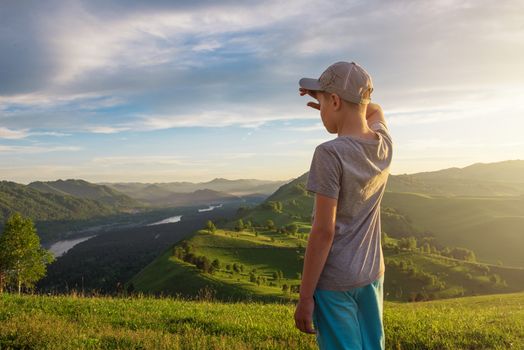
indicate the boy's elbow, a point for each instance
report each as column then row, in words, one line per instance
column 324, row 233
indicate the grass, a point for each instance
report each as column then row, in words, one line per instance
column 168, row 275
column 74, row 322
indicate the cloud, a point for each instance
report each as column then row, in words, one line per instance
column 106, row 129
column 135, row 67
column 6, row 133
column 140, row 160
column 170, row 59
column 315, row 127
column 10, row 149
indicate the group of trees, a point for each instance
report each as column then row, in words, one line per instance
column 275, row 206
column 23, row 262
column 241, row 226
column 235, row 267
column 186, row 253
column 428, row 279
column 411, row 243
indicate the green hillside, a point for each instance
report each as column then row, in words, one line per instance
column 268, row 260
column 41, row 206
column 84, row 189
column 73, row 322
column 270, row 243
column 491, row 226
column 504, row 178
column 261, row 254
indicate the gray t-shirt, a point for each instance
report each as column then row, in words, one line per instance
column 353, row 170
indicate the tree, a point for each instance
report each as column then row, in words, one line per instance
column 236, row 267
column 22, row 260
column 216, row 264
column 275, row 275
column 210, row 226
column 463, row 254
column 292, row 228
column 239, row 225
column 270, row 224
column 409, row 243
column 252, row 277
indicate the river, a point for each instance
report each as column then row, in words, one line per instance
column 61, row 247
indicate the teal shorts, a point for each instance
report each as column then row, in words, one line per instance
column 350, row 319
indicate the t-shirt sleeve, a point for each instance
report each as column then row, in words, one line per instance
column 325, row 173
column 378, row 125
column 381, row 127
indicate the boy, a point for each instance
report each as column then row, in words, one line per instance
column 342, row 279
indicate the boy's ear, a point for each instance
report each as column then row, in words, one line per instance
column 335, row 101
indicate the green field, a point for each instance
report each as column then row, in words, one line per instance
column 73, row 322
column 493, row 227
column 410, row 275
column 171, row 276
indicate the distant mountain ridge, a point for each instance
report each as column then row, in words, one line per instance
column 83, row 189
column 504, row 178
column 181, row 193
column 217, row 184
column 40, row 205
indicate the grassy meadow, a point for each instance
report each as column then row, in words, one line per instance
column 75, row 322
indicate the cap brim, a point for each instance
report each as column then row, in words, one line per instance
column 310, row 84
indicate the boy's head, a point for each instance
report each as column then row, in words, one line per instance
column 348, row 80
column 343, row 88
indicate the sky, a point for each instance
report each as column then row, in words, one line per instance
column 162, row 91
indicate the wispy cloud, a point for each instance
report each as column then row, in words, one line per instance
column 36, row 149
column 140, row 160
column 6, row 133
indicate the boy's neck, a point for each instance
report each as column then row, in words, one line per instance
column 354, row 124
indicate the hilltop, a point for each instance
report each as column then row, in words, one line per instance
column 504, row 178
column 61, row 207
column 83, row 189
column 41, row 205
column 74, row 322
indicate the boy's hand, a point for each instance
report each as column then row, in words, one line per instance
column 311, row 93
column 304, row 316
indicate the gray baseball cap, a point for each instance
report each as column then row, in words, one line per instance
column 348, row 80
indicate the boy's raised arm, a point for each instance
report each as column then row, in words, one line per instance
column 374, row 113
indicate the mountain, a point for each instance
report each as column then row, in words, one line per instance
column 504, row 178
column 86, row 190
column 159, row 194
column 40, row 205
column 493, row 227
column 198, row 197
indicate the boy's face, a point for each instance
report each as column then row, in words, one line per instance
column 327, row 111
